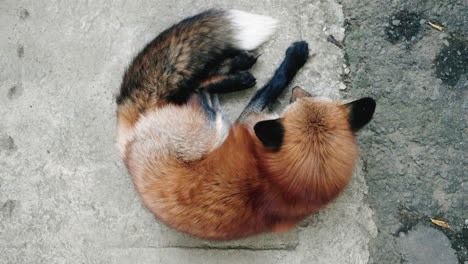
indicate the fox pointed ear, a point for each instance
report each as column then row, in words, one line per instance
column 360, row 112
column 297, row 92
column 270, row 133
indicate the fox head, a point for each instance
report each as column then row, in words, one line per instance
column 311, row 149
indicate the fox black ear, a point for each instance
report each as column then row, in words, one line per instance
column 297, row 93
column 270, row 133
column 360, row 112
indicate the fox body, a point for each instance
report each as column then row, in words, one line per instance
column 203, row 176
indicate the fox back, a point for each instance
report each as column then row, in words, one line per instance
column 203, row 176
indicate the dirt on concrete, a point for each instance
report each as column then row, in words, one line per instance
column 415, row 148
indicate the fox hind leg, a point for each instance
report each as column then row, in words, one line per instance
column 244, row 61
column 229, row 83
column 231, row 75
column 241, row 61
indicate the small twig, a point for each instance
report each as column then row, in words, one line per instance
column 332, row 39
column 440, row 28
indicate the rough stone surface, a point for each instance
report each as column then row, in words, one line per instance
column 65, row 196
column 424, row 245
column 415, row 148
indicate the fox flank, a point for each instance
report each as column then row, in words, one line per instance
column 203, row 176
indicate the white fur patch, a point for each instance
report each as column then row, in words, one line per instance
column 222, row 130
column 172, row 132
column 251, row 30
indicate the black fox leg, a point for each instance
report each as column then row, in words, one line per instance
column 227, row 74
column 206, row 102
column 241, row 61
column 211, row 105
column 215, row 102
column 296, row 56
column 229, row 83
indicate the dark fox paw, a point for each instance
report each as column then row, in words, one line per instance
column 298, row 52
column 244, row 61
column 246, row 79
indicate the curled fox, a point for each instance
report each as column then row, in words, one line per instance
column 203, row 176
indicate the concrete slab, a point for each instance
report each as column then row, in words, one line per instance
column 65, row 196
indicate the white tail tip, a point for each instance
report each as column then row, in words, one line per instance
column 251, row 30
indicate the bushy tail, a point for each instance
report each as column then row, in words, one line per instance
column 170, row 66
column 250, row 30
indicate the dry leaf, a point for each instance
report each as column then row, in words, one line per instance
column 440, row 223
column 436, row 26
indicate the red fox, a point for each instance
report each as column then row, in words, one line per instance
column 203, row 176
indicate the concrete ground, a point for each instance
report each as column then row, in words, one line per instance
column 65, row 196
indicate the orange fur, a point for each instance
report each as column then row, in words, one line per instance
column 243, row 188
column 196, row 180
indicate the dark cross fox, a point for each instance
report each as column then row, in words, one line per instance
column 203, row 176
